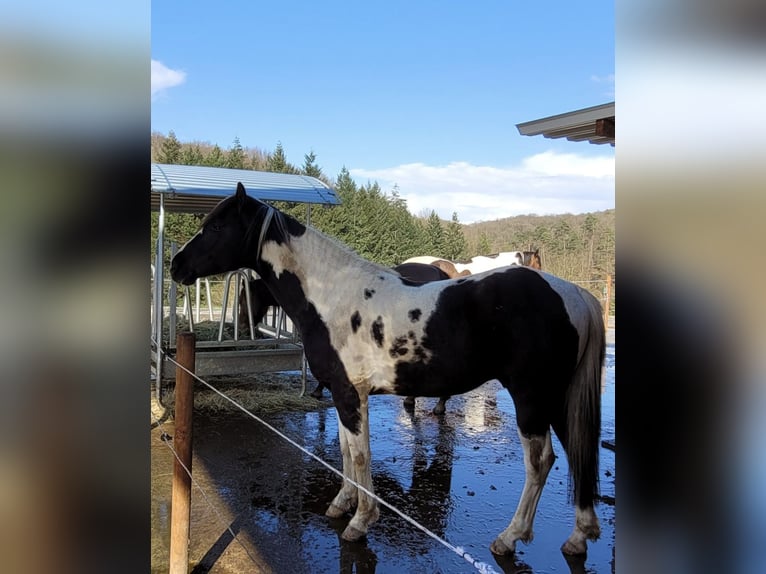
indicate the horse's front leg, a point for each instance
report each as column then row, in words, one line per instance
column 346, row 499
column 356, row 463
column 359, row 445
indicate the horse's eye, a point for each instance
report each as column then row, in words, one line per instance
column 215, row 227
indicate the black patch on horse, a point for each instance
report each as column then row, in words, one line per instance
column 399, row 348
column 416, row 274
column 420, row 353
column 412, row 282
column 414, row 315
column 368, row 293
column 325, row 362
column 356, row 321
column 521, row 312
column 377, row 331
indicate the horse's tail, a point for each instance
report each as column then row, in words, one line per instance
column 584, row 408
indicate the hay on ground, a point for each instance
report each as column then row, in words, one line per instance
column 258, row 393
column 204, row 330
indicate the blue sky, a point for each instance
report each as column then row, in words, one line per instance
column 424, row 95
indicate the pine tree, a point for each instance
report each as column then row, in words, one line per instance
column 235, row 157
column 484, row 247
column 435, row 235
column 589, row 232
column 215, row 158
column 344, row 183
column 563, row 237
column 192, row 155
column 454, row 242
column 337, row 220
column 310, row 167
column 179, row 228
column 277, row 161
column 170, row 150
column 258, row 161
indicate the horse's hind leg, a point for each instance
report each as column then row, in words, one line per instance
column 538, row 460
column 441, row 407
column 586, row 528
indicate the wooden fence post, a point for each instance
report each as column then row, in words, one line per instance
column 180, row 512
column 608, row 301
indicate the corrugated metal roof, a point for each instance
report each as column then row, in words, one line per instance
column 195, row 189
column 595, row 124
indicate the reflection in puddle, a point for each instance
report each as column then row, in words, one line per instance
column 459, row 475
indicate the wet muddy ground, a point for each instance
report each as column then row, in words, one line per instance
column 459, row 475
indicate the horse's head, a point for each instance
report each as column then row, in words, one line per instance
column 532, row 259
column 260, row 298
column 225, row 240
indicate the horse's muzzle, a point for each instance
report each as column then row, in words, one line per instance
column 181, row 275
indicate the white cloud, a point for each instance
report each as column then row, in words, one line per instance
column 571, row 164
column 608, row 80
column 164, row 78
column 546, row 183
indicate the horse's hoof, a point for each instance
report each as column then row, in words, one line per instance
column 439, row 409
column 571, row 549
column 334, row 511
column 352, row 534
column 500, row 548
column 316, row 393
column 409, row 403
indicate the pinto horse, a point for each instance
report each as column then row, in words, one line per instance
column 476, row 264
column 447, row 266
column 261, row 299
column 367, row 330
column 481, row 263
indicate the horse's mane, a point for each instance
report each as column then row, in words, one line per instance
column 215, row 210
column 272, row 219
column 349, row 253
column 279, row 223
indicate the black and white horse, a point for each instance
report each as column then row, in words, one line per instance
column 261, row 299
column 367, row 330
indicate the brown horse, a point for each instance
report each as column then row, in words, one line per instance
column 532, row 259
column 449, row 268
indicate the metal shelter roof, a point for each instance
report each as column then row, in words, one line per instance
column 195, row 189
column 595, row 124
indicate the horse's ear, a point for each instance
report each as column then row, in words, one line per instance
column 241, row 194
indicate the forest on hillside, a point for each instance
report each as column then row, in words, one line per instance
column 378, row 225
